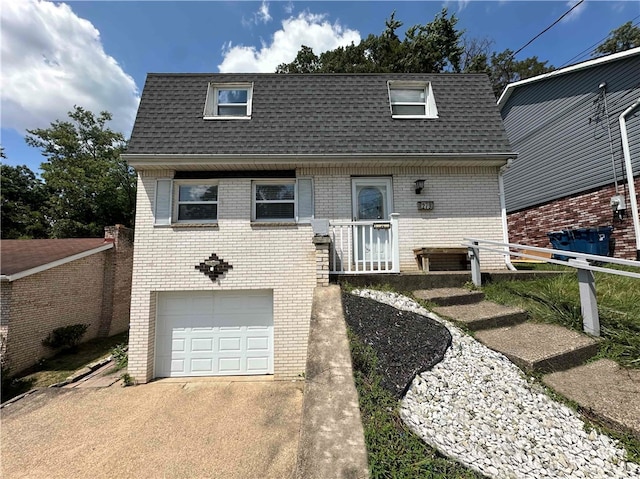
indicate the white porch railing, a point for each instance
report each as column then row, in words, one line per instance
column 582, row 262
column 359, row 247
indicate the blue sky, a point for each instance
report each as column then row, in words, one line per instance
column 96, row 54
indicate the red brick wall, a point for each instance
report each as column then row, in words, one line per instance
column 587, row 210
column 122, row 258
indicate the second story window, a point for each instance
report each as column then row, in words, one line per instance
column 196, row 202
column 228, row 101
column 412, row 100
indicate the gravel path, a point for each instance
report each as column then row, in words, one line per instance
column 480, row 409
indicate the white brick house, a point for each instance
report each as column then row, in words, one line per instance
column 243, row 179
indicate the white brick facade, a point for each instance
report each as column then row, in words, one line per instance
column 283, row 258
column 467, row 204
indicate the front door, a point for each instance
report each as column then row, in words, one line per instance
column 372, row 200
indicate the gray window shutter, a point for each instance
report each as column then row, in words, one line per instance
column 163, row 202
column 305, row 199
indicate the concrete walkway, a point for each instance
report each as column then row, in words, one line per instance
column 332, row 439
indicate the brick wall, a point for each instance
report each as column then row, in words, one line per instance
column 280, row 258
column 121, row 261
column 587, row 210
column 78, row 292
column 466, row 203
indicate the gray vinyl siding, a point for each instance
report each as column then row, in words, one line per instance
column 561, row 141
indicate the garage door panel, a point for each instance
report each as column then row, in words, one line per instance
column 230, row 344
column 214, row 333
column 257, row 343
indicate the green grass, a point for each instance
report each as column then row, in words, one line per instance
column 394, row 451
column 557, row 300
column 61, row 366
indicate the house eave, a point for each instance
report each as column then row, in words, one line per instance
column 53, row 264
column 563, row 71
column 280, row 161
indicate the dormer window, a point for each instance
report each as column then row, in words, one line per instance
column 411, row 100
column 228, row 101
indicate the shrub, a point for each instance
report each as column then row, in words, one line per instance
column 67, row 337
column 120, row 356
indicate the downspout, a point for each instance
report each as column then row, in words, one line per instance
column 629, row 170
column 503, row 208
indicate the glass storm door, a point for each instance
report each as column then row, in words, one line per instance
column 371, row 203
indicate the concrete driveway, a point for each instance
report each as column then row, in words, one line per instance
column 204, row 429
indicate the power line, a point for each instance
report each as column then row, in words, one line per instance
column 548, row 28
column 581, row 54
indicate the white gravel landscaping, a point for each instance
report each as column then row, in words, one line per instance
column 479, row 408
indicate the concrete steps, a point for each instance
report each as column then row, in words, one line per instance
column 482, row 315
column 603, row 390
column 449, row 296
column 535, row 347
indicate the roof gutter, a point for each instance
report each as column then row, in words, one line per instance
column 165, row 160
column 53, row 264
column 629, row 170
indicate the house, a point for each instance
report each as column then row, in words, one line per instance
column 254, row 188
column 51, row 283
column 577, row 134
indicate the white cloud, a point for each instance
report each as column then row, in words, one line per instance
column 53, row 60
column 309, row 29
column 576, row 12
column 288, row 8
column 263, row 13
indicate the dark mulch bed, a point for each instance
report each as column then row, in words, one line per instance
column 406, row 343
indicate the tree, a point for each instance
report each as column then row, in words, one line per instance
column 88, row 184
column 430, row 48
column 623, row 38
column 504, row 69
column 22, row 197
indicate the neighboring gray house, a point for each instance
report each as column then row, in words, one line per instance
column 565, row 127
column 254, row 188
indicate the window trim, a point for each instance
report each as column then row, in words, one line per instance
column 430, row 109
column 176, row 201
column 211, row 103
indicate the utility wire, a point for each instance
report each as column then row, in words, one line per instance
column 581, row 54
column 547, row 29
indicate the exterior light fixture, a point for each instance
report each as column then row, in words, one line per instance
column 419, row 186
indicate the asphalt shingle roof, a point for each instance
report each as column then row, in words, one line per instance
column 317, row 114
column 21, row 255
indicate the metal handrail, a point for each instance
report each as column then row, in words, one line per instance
column 573, row 254
column 579, row 261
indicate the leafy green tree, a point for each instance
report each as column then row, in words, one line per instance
column 22, row 198
column 89, row 185
column 430, row 48
column 504, row 69
column 623, row 38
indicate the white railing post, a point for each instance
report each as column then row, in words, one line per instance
column 395, row 244
column 588, row 300
column 474, row 256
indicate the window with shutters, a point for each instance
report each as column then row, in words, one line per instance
column 282, row 200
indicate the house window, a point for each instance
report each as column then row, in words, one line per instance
column 196, row 202
column 228, row 101
column 412, row 100
column 282, row 200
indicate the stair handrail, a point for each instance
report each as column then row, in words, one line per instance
column 578, row 261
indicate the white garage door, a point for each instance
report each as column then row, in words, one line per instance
column 214, row 333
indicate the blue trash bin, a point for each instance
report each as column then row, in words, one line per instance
column 591, row 240
column 582, row 240
column 562, row 241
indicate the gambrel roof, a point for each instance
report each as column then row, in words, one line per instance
column 319, row 114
